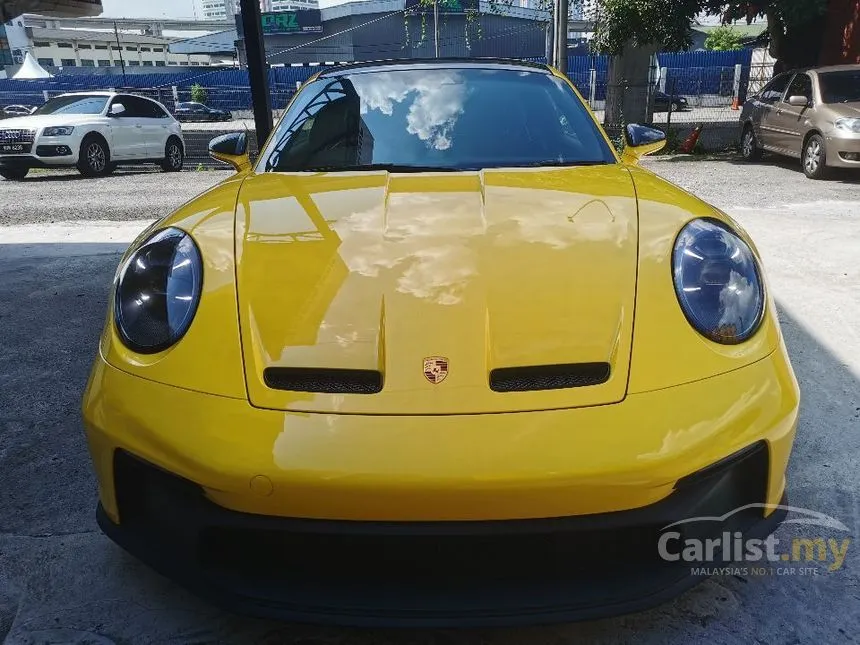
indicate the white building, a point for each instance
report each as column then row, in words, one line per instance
column 54, row 48
column 232, row 6
column 214, row 9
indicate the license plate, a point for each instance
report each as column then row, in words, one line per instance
column 8, row 148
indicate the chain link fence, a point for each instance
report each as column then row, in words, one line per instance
column 679, row 99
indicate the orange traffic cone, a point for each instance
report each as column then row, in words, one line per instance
column 690, row 143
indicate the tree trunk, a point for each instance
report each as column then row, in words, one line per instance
column 628, row 88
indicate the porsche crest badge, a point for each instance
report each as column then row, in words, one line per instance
column 435, row 369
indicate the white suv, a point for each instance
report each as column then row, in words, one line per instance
column 92, row 131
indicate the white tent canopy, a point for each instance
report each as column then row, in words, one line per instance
column 31, row 69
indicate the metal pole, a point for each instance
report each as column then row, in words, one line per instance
column 671, row 98
column 436, row 25
column 561, row 26
column 550, row 42
column 119, row 48
column 258, row 75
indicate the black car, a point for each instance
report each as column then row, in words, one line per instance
column 193, row 111
column 662, row 101
column 15, row 110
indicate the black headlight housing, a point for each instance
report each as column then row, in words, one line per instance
column 157, row 291
column 718, row 282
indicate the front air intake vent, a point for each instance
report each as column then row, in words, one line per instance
column 548, row 377
column 323, row 380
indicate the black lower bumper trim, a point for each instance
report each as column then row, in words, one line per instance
column 429, row 574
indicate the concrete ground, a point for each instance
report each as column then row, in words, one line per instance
column 61, row 581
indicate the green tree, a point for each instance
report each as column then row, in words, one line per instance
column 795, row 27
column 723, row 39
column 199, row 93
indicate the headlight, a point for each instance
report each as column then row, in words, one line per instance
column 717, row 281
column 58, row 131
column 157, row 291
column 851, row 125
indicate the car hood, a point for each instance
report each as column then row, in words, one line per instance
column 851, row 110
column 379, row 273
column 41, row 121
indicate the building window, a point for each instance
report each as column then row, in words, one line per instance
column 159, row 63
column 68, row 62
column 64, row 45
column 41, row 43
column 88, row 63
column 144, row 49
column 104, row 63
column 134, row 63
column 147, row 63
column 131, row 49
column 172, row 62
column 46, row 62
column 195, row 63
column 104, row 47
column 116, row 48
column 158, row 49
column 81, row 46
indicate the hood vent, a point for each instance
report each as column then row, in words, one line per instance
column 325, row 380
column 548, row 377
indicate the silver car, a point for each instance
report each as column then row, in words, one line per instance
column 812, row 115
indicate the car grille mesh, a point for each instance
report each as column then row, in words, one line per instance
column 328, row 381
column 16, row 135
column 548, row 377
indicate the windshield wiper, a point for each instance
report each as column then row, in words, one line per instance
column 388, row 167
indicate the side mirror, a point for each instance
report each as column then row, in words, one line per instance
column 232, row 149
column 642, row 140
column 798, row 101
column 117, row 109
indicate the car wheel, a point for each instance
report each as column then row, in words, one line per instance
column 14, row 174
column 174, row 157
column 814, row 157
column 94, row 159
column 750, row 149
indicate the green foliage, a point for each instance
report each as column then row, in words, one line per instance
column 723, row 39
column 199, row 93
column 425, row 11
column 664, row 23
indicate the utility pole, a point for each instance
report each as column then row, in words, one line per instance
column 119, row 48
column 436, row 25
column 560, row 54
column 258, row 72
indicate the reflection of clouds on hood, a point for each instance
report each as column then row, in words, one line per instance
column 410, row 252
column 437, row 101
column 439, row 274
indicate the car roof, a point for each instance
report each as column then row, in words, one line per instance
column 834, row 68
column 434, row 63
column 93, row 93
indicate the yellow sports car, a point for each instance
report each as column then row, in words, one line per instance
column 439, row 356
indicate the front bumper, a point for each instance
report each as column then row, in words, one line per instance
column 842, row 149
column 430, row 574
column 494, row 519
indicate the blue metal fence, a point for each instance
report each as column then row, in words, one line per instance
column 693, row 73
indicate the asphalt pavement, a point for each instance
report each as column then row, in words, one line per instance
column 61, row 581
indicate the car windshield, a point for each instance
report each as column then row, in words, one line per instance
column 840, row 87
column 80, row 104
column 435, row 118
